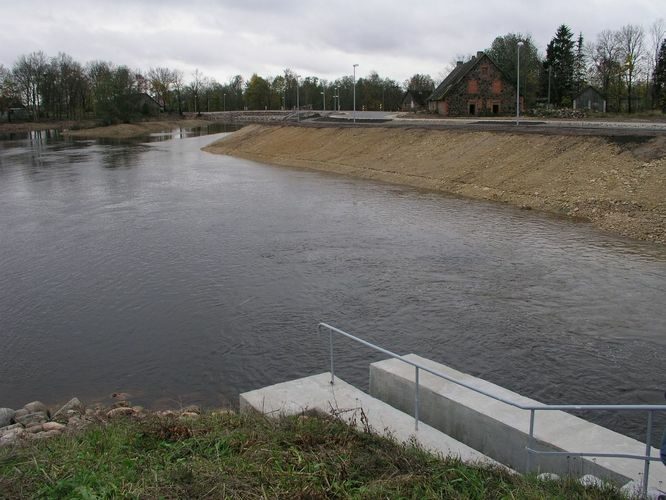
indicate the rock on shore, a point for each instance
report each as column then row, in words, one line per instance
column 34, row 421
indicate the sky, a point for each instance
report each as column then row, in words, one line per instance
column 322, row 38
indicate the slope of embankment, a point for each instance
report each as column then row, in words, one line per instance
column 618, row 183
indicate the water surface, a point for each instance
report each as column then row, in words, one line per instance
column 180, row 276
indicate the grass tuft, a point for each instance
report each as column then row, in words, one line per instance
column 249, row 456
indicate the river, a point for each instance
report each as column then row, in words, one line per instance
column 178, row 276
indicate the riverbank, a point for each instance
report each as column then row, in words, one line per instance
column 617, row 183
column 92, row 130
column 220, row 454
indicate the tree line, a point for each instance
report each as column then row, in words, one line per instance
column 628, row 66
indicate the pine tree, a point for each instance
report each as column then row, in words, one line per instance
column 561, row 58
column 579, row 66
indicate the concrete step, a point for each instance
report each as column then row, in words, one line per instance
column 354, row 407
column 500, row 430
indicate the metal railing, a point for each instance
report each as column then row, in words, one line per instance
column 650, row 409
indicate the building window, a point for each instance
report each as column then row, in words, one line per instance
column 497, row 87
column 496, row 109
column 472, row 86
column 472, row 108
column 484, row 70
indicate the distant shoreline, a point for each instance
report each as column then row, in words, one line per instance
column 91, row 129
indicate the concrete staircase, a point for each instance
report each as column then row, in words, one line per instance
column 355, row 407
column 455, row 421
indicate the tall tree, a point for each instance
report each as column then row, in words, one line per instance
column 657, row 35
column 560, row 57
column 504, row 52
column 7, row 91
column 29, row 75
column 196, row 86
column 257, row 93
column 606, row 65
column 420, row 82
column 161, row 81
column 660, row 76
column 580, row 65
column 633, row 52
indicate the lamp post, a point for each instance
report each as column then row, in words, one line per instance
column 323, row 93
column 298, row 101
column 337, row 95
column 520, row 44
column 354, row 113
column 550, row 71
column 225, row 102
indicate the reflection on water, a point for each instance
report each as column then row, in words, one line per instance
column 181, row 276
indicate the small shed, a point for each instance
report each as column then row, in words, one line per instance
column 415, row 100
column 590, row 98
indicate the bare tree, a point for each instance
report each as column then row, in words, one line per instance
column 161, row 81
column 633, row 54
column 28, row 73
column 198, row 81
column 178, row 88
column 605, row 57
column 657, row 36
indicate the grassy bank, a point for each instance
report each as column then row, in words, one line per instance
column 248, row 456
column 616, row 183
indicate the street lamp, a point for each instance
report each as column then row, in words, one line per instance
column 298, row 101
column 520, row 44
column 225, row 102
column 354, row 113
column 337, row 95
column 323, row 93
column 550, row 72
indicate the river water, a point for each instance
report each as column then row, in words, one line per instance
column 183, row 277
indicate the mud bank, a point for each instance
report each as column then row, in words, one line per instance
column 130, row 130
column 619, row 184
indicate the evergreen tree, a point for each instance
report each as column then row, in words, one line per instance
column 580, row 64
column 660, row 77
column 561, row 58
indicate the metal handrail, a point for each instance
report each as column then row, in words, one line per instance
column 647, row 458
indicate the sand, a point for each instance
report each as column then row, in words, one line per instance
column 619, row 184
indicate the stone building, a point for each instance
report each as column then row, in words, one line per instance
column 475, row 88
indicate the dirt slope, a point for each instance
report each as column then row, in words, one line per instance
column 620, row 186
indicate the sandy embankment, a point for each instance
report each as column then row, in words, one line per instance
column 129, row 130
column 619, row 186
column 88, row 128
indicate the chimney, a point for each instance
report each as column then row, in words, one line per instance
column 479, row 53
column 459, row 63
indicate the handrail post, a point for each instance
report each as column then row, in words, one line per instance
column 530, row 442
column 416, row 400
column 330, row 337
column 648, row 450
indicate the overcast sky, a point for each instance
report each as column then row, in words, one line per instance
column 321, row 38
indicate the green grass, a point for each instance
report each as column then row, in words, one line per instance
column 249, row 456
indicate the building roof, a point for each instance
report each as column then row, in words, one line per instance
column 590, row 87
column 419, row 96
column 459, row 73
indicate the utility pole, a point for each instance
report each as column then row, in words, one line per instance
column 354, row 112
